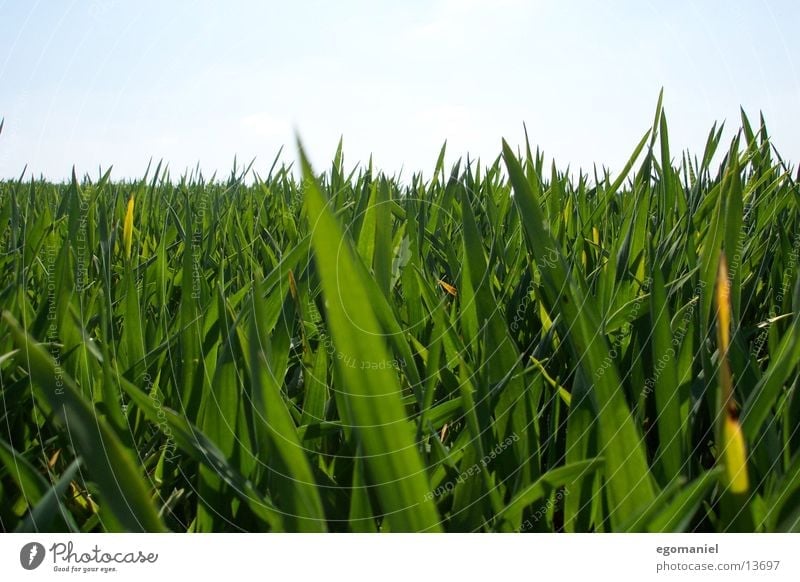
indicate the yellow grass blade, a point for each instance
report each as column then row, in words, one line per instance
column 735, row 454
column 127, row 229
column 733, row 450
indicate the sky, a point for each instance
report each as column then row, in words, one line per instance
column 99, row 83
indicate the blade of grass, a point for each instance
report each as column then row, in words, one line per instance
column 373, row 396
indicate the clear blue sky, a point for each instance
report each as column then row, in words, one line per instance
column 97, row 83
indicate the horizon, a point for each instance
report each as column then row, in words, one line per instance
column 249, row 172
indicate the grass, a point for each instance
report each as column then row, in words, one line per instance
column 502, row 347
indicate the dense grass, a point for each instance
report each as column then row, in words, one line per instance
column 497, row 347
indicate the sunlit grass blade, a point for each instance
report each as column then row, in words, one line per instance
column 678, row 513
column 665, row 355
column 373, row 396
column 285, row 449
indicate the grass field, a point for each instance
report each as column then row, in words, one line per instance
column 495, row 346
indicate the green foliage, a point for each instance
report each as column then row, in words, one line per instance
column 494, row 348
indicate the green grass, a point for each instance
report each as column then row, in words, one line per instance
column 493, row 347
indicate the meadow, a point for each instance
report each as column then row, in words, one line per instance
column 495, row 346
